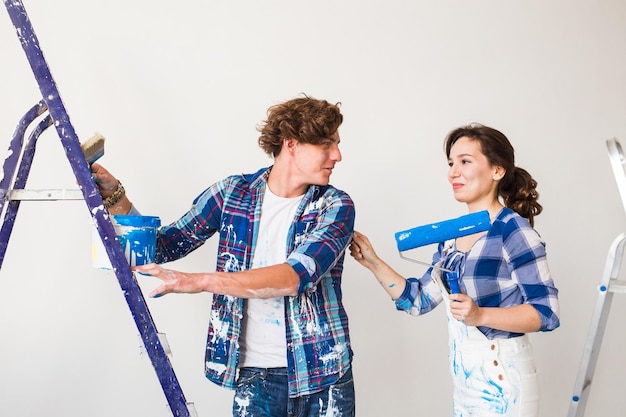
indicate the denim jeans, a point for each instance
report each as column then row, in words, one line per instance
column 264, row 393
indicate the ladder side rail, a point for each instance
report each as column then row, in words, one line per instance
column 19, row 183
column 10, row 163
column 15, row 149
column 597, row 328
column 591, row 352
column 71, row 144
column 616, row 157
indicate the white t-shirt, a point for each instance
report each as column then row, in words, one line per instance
column 263, row 341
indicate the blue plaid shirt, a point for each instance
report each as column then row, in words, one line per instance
column 506, row 267
column 318, row 342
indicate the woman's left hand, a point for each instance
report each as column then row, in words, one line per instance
column 464, row 309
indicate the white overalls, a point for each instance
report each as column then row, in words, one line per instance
column 491, row 378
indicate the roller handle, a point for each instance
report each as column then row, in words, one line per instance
column 445, row 230
column 452, row 279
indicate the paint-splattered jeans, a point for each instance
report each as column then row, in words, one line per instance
column 264, row 393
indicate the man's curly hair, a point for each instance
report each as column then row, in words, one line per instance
column 305, row 119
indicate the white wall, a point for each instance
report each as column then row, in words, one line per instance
column 178, row 89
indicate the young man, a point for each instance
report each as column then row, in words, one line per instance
column 278, row 332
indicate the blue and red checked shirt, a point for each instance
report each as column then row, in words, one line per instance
column 505, row 267
column 318, row 342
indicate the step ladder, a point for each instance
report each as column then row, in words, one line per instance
column 48, row 112
column 609, row 285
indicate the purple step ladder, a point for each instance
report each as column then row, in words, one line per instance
column 12, row 183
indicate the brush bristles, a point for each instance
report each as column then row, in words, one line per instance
column 93, row 148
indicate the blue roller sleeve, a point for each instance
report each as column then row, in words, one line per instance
column 442, row 231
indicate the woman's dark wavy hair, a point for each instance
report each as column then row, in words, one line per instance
column 517, row 188
column 305, row 119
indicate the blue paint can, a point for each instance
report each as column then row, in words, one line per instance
column 135, row 234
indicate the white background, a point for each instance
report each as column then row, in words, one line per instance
column 178, row 88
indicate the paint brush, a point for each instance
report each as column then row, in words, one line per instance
column 93, row 148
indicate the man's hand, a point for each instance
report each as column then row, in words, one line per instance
column 173, row 281
column 107, row 183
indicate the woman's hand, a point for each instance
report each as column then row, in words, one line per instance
column 522, row 318
column 464, row 309
column 362, row 251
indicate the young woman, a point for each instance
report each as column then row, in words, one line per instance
column 506, row 286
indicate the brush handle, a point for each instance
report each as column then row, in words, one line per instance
column 442, row 231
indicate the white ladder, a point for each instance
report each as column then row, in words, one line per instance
column 609, row 285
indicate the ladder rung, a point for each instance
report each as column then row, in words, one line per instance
column 45, row 194
column 617, row 286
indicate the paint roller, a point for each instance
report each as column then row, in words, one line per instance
column 440, row 232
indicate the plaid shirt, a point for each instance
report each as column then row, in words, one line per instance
column 506, row 267
column 318, row 342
